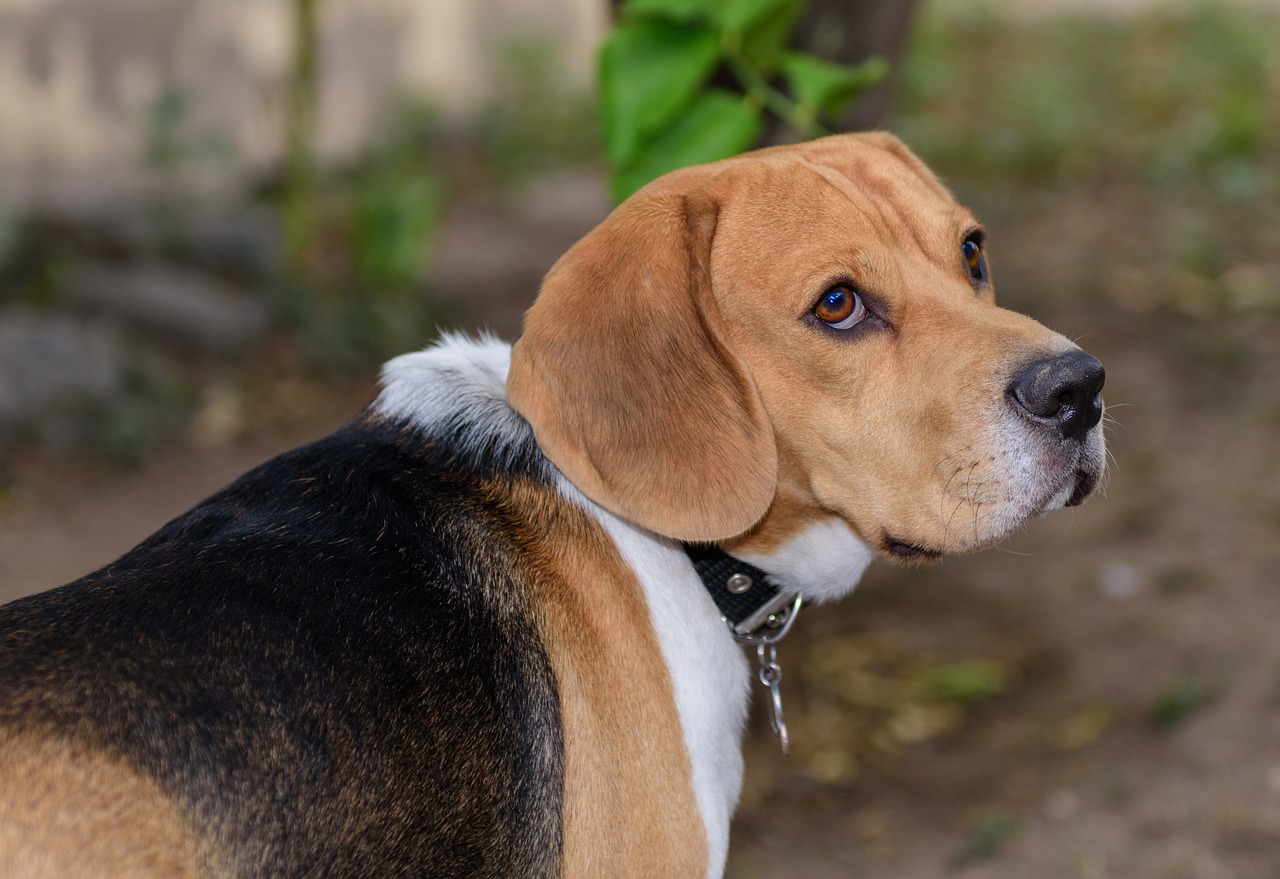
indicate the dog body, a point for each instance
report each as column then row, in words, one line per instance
column 401, row 650
column 461, row 636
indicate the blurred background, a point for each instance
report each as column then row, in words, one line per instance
column 218, row 216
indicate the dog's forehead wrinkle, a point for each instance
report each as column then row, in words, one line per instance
column 877, row 193
column 837, row 180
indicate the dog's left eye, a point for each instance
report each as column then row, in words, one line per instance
column 840, row 308
column 972, row 250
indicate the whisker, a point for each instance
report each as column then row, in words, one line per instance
column 999, row 547
column 947, row 529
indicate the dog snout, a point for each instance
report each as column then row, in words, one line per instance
column 1062, row 392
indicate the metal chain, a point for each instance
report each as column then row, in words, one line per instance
column 766, row 642
column 771, row 677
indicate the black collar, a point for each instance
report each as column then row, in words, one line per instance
column 757, row 612
column 747, row 599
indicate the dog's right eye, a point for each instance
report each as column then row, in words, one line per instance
column 840, row 308
column 973, row 259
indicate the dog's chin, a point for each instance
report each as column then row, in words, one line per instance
column 1071, row 490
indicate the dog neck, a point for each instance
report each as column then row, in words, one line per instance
column 821, row 560
column 457, row 389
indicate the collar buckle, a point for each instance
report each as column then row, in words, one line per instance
column 756, row 612
column 769, row 623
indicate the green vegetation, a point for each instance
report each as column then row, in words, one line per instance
column 536, row 122
column 965, row 682
column 1161, row 130
column 298, row 208
column 986, row 839
column 360, row 292
column 357, row 295
column 1181, row 698
column 862, row 695
column 661, row 72
column 34, row 262
column 169, row 149
column 1167, row 98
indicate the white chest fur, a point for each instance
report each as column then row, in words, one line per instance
column 709, row 674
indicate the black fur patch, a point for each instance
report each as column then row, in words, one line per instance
column 331, row 665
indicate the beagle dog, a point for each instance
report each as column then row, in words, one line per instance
column 467, row 634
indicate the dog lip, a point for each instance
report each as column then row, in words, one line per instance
column 904, row 550
column 1086, row 482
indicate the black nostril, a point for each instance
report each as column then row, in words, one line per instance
column 1064, row 391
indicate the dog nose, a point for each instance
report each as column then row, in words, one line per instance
column 1063, row 391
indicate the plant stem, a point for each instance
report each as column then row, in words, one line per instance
column 758, row 88
column 299, row 197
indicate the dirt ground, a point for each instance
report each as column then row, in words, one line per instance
column 1133, row 727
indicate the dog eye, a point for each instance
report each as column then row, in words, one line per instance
column 972, row 250
column 840, row 308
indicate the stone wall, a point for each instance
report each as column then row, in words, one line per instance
column 79, row 78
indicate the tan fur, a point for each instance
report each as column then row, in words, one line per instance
column 793, row 510
column 68, row 812
column 891, row 431
column 629, row 805
column 639, row 286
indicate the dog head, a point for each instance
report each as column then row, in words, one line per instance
column 804, row 335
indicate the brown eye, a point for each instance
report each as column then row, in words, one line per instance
column 840, row 308
column 972, row 250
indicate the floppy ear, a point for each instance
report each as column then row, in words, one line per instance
column 623, row 373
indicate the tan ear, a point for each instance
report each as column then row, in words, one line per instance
column 623, row 373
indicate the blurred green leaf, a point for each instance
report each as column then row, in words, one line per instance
column 739, row 15
column 681, row 10
column 965, row 681
column 649, row 71
column 716, row 125
column 395, row 219
column 654, row 68
column 764, row 40
column 826, row 87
